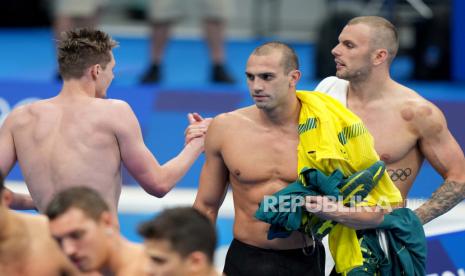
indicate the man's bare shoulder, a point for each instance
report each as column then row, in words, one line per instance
column 34, row 227
column 39, row 223
column 408, row 98
column 237, row 116
column 117, row 108
column 405, row 94
column 135, row 259
column 115, row 103
column 228, row 125
column 112, row 104
column 23, row 113
column 423, row 115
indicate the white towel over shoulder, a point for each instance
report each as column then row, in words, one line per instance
column 334, row 87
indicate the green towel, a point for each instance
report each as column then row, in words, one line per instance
column 406, row 242
column 294, row 217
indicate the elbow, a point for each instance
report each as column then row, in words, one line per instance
column 158, row 184
column 158, row 192
column 157, row 187
column 209, row 211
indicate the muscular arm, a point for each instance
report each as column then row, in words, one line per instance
column 154, row 178
column 7, row 161
column 443, row 152
column 7, row 147
column 353, row 217
column 449, row 194
column 214, row 175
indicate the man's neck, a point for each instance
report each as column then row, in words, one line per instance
column 119, row 250
column 285, row 114
column 78, row 87
column 368, row 90
column 208, row 271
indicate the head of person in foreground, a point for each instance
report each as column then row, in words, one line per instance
column 179, row 241
column 83, row 225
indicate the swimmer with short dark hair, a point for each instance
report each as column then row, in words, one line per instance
column 179, row 241
column 83, row 225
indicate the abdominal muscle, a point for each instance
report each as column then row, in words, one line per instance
column 248, row 229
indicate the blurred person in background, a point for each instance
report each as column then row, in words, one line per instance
column 163, row 14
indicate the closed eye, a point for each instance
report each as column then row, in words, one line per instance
column 158, row 260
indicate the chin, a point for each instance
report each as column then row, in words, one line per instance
column 340, row 75
column 102, row 96
column 261, row 105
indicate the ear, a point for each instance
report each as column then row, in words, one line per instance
column 7, row 197
column 196, row 261
column 95, row 70
column 380, row 56
column 107, row 220
column 294, row 76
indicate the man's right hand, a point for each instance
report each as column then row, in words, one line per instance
column 197, row 127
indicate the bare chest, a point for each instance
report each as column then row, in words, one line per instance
column 255, row 157
column 393, row 137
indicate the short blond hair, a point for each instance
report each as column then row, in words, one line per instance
column 383, row 35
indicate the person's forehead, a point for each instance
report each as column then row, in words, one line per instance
column 359, row 32
column 269, row 61
column 71, row 220
column 157, row 246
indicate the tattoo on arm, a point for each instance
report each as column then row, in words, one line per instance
column 443, row 199
column 399, row 174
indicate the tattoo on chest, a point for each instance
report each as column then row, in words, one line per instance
column 399, row 174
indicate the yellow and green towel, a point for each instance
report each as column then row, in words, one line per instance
column 332, row 137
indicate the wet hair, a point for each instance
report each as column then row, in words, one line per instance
column 79, row 49
column 383, row 34
column 82, row 198
column 185, row 228
column 290, row 61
